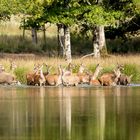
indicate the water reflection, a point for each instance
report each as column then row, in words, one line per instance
column 65, row 114
column 70, row 113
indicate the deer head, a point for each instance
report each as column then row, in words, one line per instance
column 2, row 69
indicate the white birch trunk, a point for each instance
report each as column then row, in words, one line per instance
column 60, row 39
column 96, row 42
column 99, row 43
column 67, row 45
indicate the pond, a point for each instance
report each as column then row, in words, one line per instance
column 70, row 113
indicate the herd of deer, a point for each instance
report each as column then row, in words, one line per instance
column 66, row 77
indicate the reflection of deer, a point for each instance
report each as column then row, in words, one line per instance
column 83, row 76
column 109, row 79
column 93, row 78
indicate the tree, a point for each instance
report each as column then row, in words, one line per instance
column 7, row 7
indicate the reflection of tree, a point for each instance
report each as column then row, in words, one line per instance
column 42, row 113
column 65, row 114
column 101, row 114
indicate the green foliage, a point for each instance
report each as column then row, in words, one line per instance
column 6, row 9
column 132, row 69
column 21, row 74
column 107, row 69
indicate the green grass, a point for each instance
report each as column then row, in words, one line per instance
column 21, row 74
column 132, row 69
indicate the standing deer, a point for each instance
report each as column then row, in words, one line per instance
column 109, row 79
column 93, row 78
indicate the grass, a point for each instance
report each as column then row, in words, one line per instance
column 25, row 65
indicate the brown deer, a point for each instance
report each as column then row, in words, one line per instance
column 30, row 76
column 109, row 79
column 93, row 79
column 83, row 76
column 7, row 78
column 54, row 79
column 39, row 78
column 124, row 79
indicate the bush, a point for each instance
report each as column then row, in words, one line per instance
column 21, row 74
column 132, row 69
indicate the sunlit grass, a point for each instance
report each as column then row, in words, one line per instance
column 26, row 64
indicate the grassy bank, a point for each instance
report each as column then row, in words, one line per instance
column 25, row 64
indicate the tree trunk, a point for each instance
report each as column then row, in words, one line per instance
column 34, row 35
column 67, row 45
column 24, row 29
column 99, row 43
column 44, row 38
column 60, row 36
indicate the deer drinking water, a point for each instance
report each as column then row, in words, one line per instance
column 110, row 79
column 124, row 79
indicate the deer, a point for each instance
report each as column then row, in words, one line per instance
column 30, row 76
column 93, row 78
column 54, row 79
column 110, row 79
column 13, row 66
column 39, row 78
column 2, row 69
column 7, row 78
column 84, row 77
column 124, row 79
column 69, row 80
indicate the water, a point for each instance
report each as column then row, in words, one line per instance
column 70, row 113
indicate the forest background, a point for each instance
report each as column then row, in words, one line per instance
column 70, row 29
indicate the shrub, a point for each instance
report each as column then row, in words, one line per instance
column 21, row 74
column 132, row 69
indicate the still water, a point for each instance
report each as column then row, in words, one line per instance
column 70, row 113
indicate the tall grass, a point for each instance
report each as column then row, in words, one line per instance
column 25, row 65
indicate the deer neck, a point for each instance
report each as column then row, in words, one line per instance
column 96, row 73
column 41, row 74
column 81, row 70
